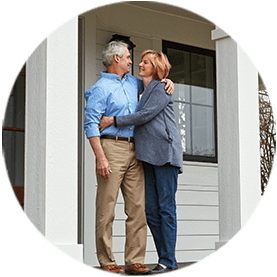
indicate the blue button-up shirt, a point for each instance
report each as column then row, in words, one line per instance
column 110, row 96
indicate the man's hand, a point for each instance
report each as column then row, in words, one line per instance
column 102, row 164
column 169, row 86
column 103, row 168
column 105, row 122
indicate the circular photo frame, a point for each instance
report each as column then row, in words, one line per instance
column 223, row 113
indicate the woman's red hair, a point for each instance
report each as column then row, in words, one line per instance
column 160, row 63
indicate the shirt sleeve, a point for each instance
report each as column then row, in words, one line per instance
column 157, row 102
column 95, row 108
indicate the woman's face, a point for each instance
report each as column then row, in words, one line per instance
column 146, row 69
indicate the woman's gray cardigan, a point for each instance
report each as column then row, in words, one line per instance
column 157, row 140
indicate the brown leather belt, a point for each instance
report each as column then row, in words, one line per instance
column 118, row 138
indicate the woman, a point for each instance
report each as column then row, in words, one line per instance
column 158, row 146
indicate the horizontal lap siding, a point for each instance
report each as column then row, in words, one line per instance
column 197, row 194
column 197, row 214
column 203, row 198
column 184, row 243
column 185, row 227
column 184, row 212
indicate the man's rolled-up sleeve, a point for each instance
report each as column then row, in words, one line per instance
column 95, row 108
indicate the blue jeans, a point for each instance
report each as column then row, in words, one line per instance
column 160, row 207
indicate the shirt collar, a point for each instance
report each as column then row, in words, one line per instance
column 111, row 76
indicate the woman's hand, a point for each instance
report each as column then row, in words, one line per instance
column 169, row 86
column 105, row 122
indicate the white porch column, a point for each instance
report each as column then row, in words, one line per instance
column 238, row 135
column 51, row 156
column 61, row 213
column 35, row 138
column 89, row 157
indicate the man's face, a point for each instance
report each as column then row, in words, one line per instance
column 125, row 61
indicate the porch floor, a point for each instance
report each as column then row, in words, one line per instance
column 151, row 266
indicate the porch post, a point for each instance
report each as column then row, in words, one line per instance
column 35, row 138
column 90, row 183
column 58, row 186
column 62, row 139
column 238, row 135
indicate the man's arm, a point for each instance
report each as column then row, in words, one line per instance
column 95, row 107
column 102, row 164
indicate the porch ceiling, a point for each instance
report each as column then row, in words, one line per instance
column 168, row 9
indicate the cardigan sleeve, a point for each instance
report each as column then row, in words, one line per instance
column 156, row 103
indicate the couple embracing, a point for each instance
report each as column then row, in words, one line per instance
column 131, row 127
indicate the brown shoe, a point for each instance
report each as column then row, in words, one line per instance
column 137, row 269
column 113, row 268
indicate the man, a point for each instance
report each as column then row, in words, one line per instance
column 116, row 93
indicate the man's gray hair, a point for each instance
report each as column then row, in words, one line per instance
column 113, row 48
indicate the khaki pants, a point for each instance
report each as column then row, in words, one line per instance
column 127, row 174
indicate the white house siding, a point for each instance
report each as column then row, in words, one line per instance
column 197, row 195
column 197, row 211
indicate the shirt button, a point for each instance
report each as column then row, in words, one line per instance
column 130, row 105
